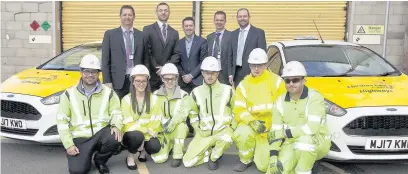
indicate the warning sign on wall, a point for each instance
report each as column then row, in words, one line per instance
column 370, row 29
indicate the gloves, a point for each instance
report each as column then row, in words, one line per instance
column 275, row 166
column 169, row 126
column 258, row 125
column 278, row 134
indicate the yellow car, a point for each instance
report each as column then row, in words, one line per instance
column 29, row 99
column 366, row 97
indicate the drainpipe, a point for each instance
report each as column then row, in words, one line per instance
column 54, row 30
column 387, row 15
column 197, row 12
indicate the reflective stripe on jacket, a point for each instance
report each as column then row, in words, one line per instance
column 211, row 107
column 169, row 108
column 255, row 96
column 133, row 121
column 79, row 116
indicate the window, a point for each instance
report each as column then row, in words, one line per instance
column 70, row 59
column 274, row 60
column 339, row 60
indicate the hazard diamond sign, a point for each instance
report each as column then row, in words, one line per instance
column 370, row 29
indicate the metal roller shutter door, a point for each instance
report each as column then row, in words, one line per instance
column 87, row 21
column 283, row 20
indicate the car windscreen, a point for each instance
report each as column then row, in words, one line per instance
column 339, row 60
column 70, row 59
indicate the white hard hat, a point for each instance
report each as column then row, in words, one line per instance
column 169, row 68
column 140, row 70
column 90, row 61
column 294, row 68
column 258, row 56
column 210, row 64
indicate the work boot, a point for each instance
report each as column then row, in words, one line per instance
column 212, row 165
column 240, row 167
column 102, row 168
column 175, row 163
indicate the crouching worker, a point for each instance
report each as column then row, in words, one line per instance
column 299, row 131
column 253, row 111
column 141, row 125
column 170, row 99
column 89, row 120
column 211, row 117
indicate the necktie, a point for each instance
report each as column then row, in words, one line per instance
column 240, row 49
column 129, row 62
column 164, row 32
column 216, row 46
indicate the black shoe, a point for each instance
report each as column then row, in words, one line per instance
column 212, row 165
column 240, row 167
column 175, row 163
column 130, row 167
column 142, row 159
column 119, row 150
column 102, row 168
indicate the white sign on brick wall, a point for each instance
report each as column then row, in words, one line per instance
column 40, row 38
column 367, row 39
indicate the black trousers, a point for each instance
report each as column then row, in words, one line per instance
column 188, row 87
column 240, row 74
column 134, row 139
column 125, row 88
column 103, row 143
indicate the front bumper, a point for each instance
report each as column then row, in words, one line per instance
column 35, row 128
column 352, row 147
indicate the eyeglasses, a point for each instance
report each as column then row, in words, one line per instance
column 294, row 80
column 169, row 79
column 88, row 72
column 140, row 82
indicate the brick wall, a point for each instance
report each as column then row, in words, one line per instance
column 373, row 13
column 17, row 53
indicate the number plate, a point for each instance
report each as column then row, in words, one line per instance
column 13, row 123
column 387, row 144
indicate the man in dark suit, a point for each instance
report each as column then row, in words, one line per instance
column 162, row 44
column 218, row 43
column 193, row 51
column 122, row 49
column 243, row 41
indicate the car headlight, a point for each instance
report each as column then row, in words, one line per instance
column 334, row 109
column 52, row 99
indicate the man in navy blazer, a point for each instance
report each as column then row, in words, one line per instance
column 193, row 50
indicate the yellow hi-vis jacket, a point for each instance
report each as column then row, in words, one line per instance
column 169, row 107
column 133, row 121
column 80, row 116
column 255, row 96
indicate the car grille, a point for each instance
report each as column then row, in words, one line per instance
column 361, row 150
column 19, row 110
column 388, row 125
column 28, row 132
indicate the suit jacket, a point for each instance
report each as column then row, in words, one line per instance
column 114, row 55
column 191, row 65
column 161, row 52
column 223, row 77
column 255, row 39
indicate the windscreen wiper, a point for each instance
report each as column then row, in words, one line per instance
column 54, row 69
column 387, row 73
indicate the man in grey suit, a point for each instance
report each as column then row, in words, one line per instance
column 193, row 51
column 122, row 49
column 218, row 44
column 243, row 41
column 162, row 44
